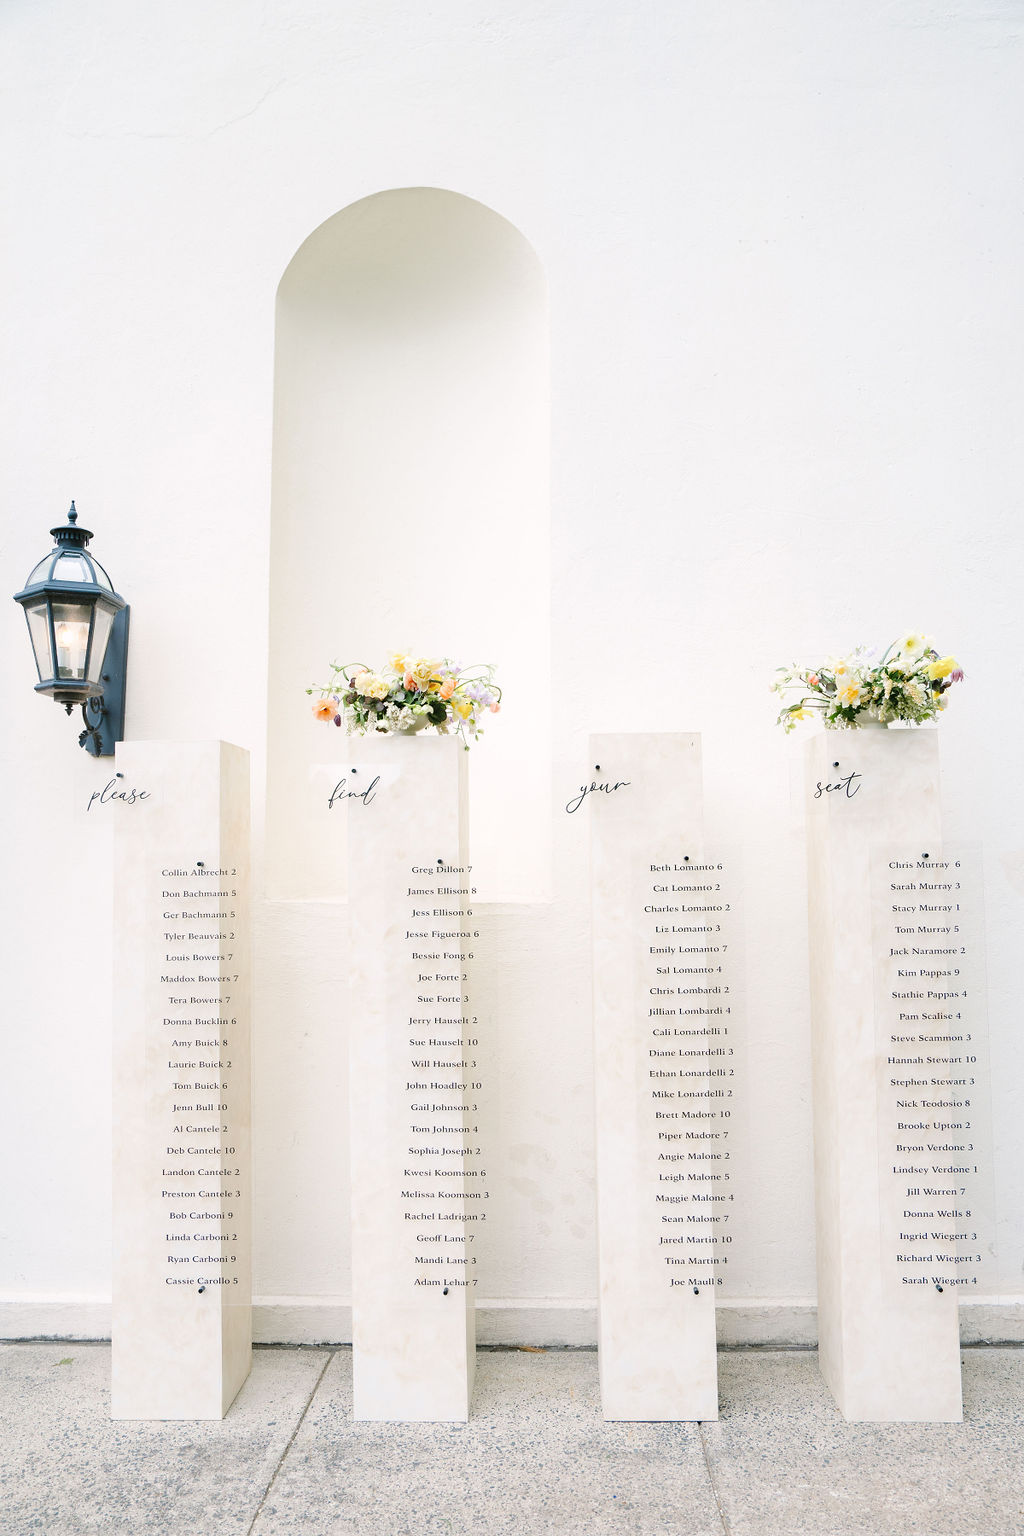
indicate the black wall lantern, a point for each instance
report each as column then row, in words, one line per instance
column 79, row 630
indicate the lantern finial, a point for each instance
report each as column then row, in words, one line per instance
column 69, row 534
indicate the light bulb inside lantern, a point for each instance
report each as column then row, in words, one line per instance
column 72, row 637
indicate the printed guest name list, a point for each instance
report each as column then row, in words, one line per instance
column 195, row 1078
column 932, row 1069
column 689, row 1064
column 444, row 1191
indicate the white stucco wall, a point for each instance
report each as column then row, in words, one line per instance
column 782, row 247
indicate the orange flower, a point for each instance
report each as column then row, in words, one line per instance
column 447, row 688
column 410, row 683
column 323, row 709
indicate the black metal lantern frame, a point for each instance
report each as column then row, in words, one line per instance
column 78, row 626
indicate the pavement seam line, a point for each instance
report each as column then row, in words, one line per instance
column 291, row 1442
column 711, row 1479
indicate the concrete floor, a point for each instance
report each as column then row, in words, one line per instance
column 536, row 1456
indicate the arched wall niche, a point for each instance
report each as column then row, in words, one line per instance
column 410, row 509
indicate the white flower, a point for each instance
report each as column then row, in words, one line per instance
column 913, row 645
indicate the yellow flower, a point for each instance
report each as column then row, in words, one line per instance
column 463, row 707
column 397, row 662
column 422, row 669
column 371, row 685
column 800, row 714
column 941, row 668
column 848, row 690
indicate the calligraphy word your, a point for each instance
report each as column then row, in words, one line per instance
column 593, row 789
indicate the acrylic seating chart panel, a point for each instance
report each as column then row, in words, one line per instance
column 668, row 1070
column 420, row 1193
column 182, row 1194
column 888, row 1353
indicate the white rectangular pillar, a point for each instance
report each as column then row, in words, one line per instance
column 885, row 1356
column 182, row 1090
column 655, row 1255
column 419, row 1191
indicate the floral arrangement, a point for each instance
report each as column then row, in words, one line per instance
column 909, row 682
column 411, row 693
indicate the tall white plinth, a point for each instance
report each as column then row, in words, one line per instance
column 888, row 1349
column 419, row 1193
column 657, row 1348
column 182, row 1089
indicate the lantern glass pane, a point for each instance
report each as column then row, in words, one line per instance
column 100, row 636
column 39, row 633
column 40, row 572
column 99, row 575
column 71, row 568
column 71, row 633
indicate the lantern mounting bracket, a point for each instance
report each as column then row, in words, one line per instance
column 104, row 714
